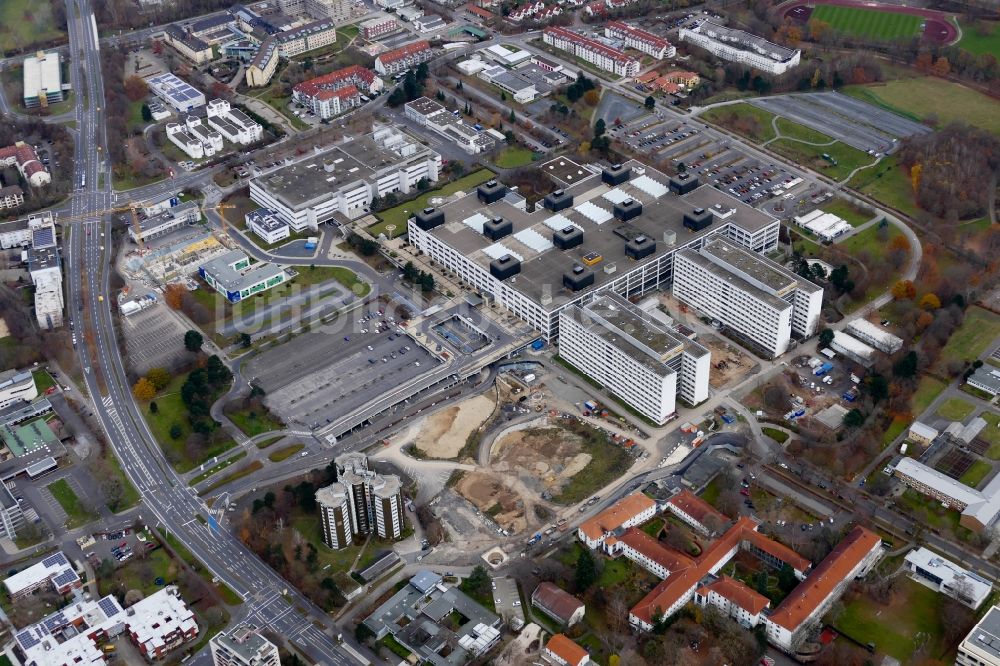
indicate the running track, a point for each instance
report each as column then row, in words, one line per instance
column 938, row 28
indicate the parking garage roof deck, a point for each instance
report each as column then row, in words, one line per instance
column 541, row 271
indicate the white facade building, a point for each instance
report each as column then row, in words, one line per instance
column 233, row 124
column 640, row 40
column 334, row 503
column 591, row 50
column 180, row 137
column 742, row 47
column 429, row 113
column 756, row 298
column 361, row 502
column 211, row 140
column 45, row 269
column 877, row 337
column 639, row 359
column 166, row 221
column 176, row 92
column 42, row 79
column 267, row 226
column 343, row 180
column 982, row 645
column 947, row 577
column 243, row 646
column 16, row 387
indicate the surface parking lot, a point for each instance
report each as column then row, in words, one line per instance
column 506, row 598
column 852, row 121
column 334, row 371
column 119, row 547
column 154, row 338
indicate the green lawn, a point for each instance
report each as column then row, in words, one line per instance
column 217, row 468
column 268, row 442
column 928, row 389
column 254, row 421
column 129, row 577
column 744, row 119
column 973, row 337
column 888, row 184
column 285, row 453
column 955, row 409
column 847, row 159
column 979, row 42
column 401, row 213
column 27, row 23
column 43, row 380
column 350, row 31
column 246, row 470
column 975, row 474
column 171, row 410
column 76, row 513
column 853, row 215
column 512, row 157
column 713, row 490
column 870, row 23
column 991, row 433
column 895, row 429
column 793, row 130
column 923, row 96
column 893, row 628
column 130, row 496
column 779, row 436
column 875, row 243
column 310, row 275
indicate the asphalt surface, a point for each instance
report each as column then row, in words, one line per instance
column 168, row 503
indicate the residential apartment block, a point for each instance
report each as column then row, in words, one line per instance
column 188, row 45
column 536, row 264
column 11, row 196
column 742, row 47
column 11, row 514
column 403, row 58
column 28, row 165
column 758, row 300
column 591, row 50
column 640, row 40
column 53, row 572
column 343, row 180
column 234, row 125
column 359, row 503
column 243, row 646
column 633, row 509
column 264, row 63
column 45, row 269
column 334, row 93
column 378, row 27
column 636, row 357
column 17, row 387
column 979, row 508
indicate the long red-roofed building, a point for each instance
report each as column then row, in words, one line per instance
column 28, row 165
column 640, row 40
column 696, row 512
column 591, row 50
column 630, row 510
column 332, row 94
column 735, row 599
column 403, row 58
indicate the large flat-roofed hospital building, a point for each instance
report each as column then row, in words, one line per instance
column 345, row 179
column 614, row 228
column 644, row 362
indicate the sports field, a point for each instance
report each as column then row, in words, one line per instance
column 870, row 23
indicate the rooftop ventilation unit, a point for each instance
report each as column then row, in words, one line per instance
column 505, row 267
column 429, row 218
column 497, row 228
column 683, row 183
column 698, row 219
column 558, row 200
column 567, row 237
column 640, row 247
column 616, row 174
column 628, row 209
column 578, row 278
column 491, row 191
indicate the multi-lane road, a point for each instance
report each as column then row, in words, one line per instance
column 167, row 502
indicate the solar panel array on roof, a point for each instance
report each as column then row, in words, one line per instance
column 53, row 560
column 27, row 639
column 53, row 622
column 498, row 250
column 616, row 195
column 64, row 578
column 110, row 606
column 534, row 240
column 649, row 186
column 43, row 237
column 476, row 222
column 593, row 212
